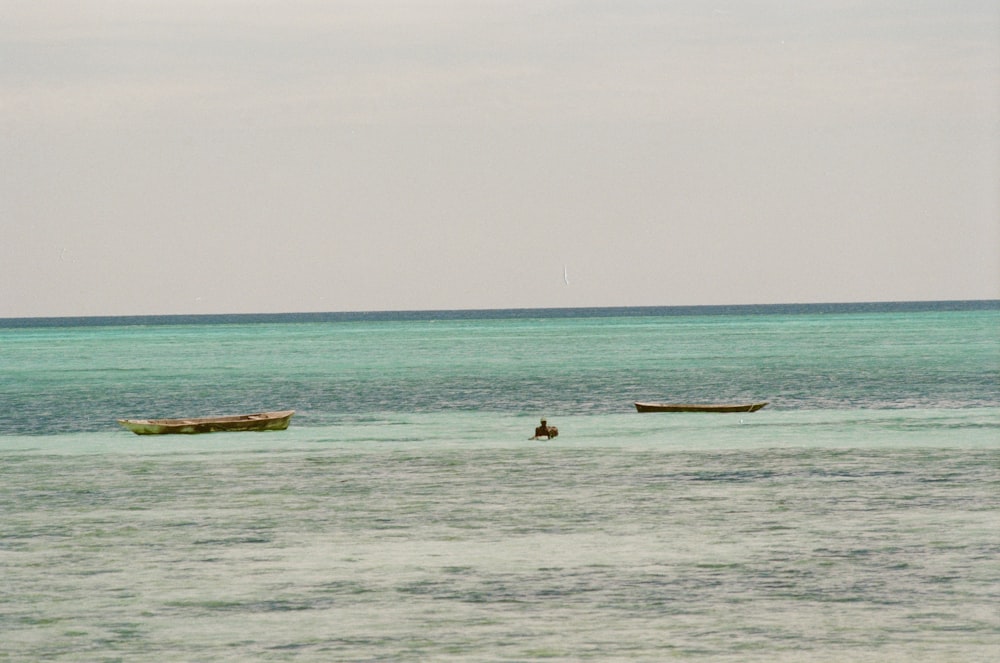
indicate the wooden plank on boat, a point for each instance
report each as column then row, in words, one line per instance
column 699, row 407
column 241, row 422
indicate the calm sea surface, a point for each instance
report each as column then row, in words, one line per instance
column 405, row 515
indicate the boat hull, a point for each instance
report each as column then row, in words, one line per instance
column 694, row 407
column 259, row 421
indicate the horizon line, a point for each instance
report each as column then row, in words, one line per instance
column 882, row 306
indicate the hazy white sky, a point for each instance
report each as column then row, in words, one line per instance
column 174, row 156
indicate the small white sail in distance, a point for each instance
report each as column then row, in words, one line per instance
column 565, row 275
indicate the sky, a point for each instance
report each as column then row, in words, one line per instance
column 237, row 156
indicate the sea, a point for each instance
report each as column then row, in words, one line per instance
column 405, row 515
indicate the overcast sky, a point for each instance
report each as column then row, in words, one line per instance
column 181, row 156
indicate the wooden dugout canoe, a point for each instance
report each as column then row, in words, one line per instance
column 695, row 407
column 241, row 422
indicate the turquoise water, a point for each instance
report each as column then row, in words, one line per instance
column 406, row 516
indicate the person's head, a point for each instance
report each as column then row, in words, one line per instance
column 543, row 422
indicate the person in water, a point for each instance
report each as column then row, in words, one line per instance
column 546, row 431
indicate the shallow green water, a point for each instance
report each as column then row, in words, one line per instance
column 406, row 516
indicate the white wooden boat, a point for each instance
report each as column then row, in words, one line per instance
column 240, row 422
